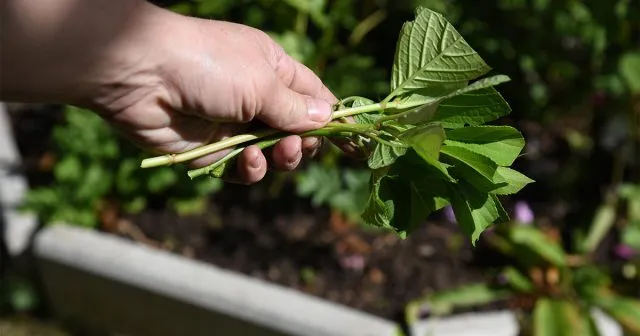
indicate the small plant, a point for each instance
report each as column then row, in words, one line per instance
column 95, row 175
column 429, row 145
column 554, row 291
column 343, row 190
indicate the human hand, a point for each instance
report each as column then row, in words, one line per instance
column 171, row 83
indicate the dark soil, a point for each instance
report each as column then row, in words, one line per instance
column 284, row 240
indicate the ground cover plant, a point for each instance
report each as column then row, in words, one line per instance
column 553, row 289
column 429, row 143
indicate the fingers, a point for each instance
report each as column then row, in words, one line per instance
column 288, row 110
column 287, row 153
column 252, row 165
column 300, row 78
column 298, row 101
column 310, row 146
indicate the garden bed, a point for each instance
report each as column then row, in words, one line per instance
column 283, row 239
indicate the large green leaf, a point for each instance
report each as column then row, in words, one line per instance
column 475, row 210
column 364, row 118
column 473, row 108
column 629, row 68
column 476, row 169
column 404, row 195
column 552, row 317
column 517, row 280
column 385, row 155
column 539, row 244
column 502, row 144
column 430, row 97
column 426, row 140
column 378, row 212
column 513, row 179
column 431, row 52
column 631, row 193
column 602, row 222
column 445, row 302
column 631, row 235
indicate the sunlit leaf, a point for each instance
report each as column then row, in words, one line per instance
column 431, row 52
column 553, row 317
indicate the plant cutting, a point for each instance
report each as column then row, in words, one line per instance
column 427, row 140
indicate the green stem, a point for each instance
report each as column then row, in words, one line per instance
column 170, row 159
column 204, row 150
column 208, row 169
column 328, row 131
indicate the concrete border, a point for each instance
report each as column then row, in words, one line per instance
column 102, row 282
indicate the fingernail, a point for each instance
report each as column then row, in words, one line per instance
column 318, row 109
column 254, row 163
column 311, row 142
column 291, row 164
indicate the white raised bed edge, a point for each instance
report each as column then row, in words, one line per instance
column 108, row 282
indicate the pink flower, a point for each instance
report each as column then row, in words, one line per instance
column 448, row 213
column 523, row 213
column 353, row 262
column 624, row 251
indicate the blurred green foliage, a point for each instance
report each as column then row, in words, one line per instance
column 96, row 173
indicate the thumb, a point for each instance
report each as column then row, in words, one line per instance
column 290, row 111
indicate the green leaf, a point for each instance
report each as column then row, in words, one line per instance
column 126, row 182
column 161, row 179
column 313, row 8
column 384, row 155
column 588, row 324
column 514, row 180
column 475, row 210
column 430, row 97
column 377, row 212
column 364, row 118
column 473, row 108
column 135, row 205
column 426, row 140
column 444, row 303
column 404, row 195
column 474, row 168
column 629, row 69
column 431, row 52
column 97, row 182
column 318, row 182
column 517, row 280
column 631, row 193
column 553, row 317
column 21, row 294
column 631, row 235
column 602, row 222
column 68, row 170
column 625, row 311
column 367, row 118
column 502, row 144
column 539, row 244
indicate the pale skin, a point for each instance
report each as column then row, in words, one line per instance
column 169, row 83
